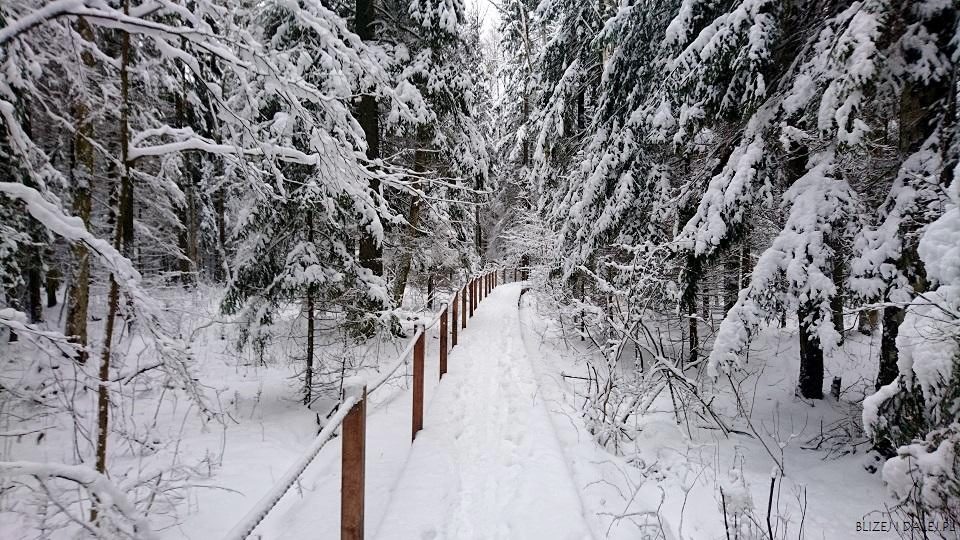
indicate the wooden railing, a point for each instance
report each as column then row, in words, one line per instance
column 352, row 412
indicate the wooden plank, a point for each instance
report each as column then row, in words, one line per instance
column 418, row 385
column 463, row 307
column 456, row 312
column 353, row 458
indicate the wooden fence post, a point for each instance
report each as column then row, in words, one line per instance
column 443, row 340
column 463, row 307
column 456, row 304
column 418, row 383
column 352, row 463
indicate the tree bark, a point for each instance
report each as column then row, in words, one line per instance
column 431, row 289
column 888, row 370
column 34, row 284
column 688, row 306
column 52, row 285
column 810, row 384
column 867, row 321
column 187, row 237
column 478, row 231
column 413, row 220
column 81, row 171
column 836, row 302
column 371, row 251
column 123, row 241
column 78, row 297
column 916, row 113
column 308, row 373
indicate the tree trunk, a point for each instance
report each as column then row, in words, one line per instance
column 731, row 280
column 78, row 297
column 34, row 285
column 220, row 274
column 371, row 251
column 916, row 113
column 413, row 219
column 52, row 285
column 431, row 289
column 888, row 370
column 746, row 262
column 478, row 231
column 836, row 302
column 187, row 237
column 867, row 321
column 308, row 373
column 123, row 241
column 688, row 306
column 810, row 385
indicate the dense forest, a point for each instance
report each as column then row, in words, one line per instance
column 727, row 213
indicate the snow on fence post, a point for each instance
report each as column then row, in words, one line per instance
column 352, row 460
column 456, row 304
column 418, row 384
column 463, row 307
column 443, row 340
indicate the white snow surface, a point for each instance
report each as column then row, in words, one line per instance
column 500, row 456
column 488, row 463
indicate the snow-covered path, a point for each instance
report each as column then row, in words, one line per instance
column 488, row 463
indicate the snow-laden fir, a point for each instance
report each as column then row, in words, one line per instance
column 726, row 235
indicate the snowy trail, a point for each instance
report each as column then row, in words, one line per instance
column 488, row 463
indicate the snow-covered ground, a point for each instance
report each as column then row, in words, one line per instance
column 677, row 475
column 505, row 452
column 496, row 458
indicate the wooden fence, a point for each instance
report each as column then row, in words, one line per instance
column 352, row 412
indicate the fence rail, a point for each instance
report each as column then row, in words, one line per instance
column 351, row 413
